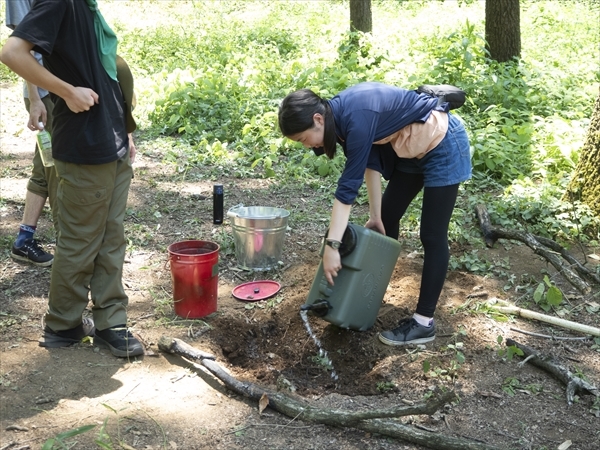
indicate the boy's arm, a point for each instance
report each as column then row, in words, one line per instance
column 37, row 109
column 16, row 55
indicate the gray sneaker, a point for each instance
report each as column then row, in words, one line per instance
column 409, row 331
column 65, row 338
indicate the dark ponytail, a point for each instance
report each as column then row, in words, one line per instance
column 296, row 115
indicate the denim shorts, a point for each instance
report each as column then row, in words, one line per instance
column 447, row 164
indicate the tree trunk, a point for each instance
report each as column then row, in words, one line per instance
column 360, row 16
column 585, row 183
column 502, row 29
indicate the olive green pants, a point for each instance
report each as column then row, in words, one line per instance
column 43, row 180
column 90, row 248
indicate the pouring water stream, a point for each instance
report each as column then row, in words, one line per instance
column 322, row 353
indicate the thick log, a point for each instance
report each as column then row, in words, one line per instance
column 574, row 384
column 492, row 234
column 372, row 420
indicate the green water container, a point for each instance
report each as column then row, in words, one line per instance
column 368, row 261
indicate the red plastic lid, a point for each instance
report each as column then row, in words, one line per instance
column 256, row 290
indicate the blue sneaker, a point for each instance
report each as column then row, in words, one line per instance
column 408, row 332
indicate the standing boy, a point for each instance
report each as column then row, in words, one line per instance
column 92, row 157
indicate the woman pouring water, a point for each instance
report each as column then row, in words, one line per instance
column 414, row 143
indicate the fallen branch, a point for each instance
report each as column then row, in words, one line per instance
column 545, row 247
column 574, row 384
column 547, row 336
column 370, row 420
column 508, row 308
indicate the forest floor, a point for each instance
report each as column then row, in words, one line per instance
column 161, row 401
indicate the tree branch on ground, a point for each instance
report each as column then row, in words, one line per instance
column 372, row 420
column 553, row 252
column 574, row 384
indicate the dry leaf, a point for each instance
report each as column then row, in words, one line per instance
column 597, row 258
column 565, row 445
column 263, row 403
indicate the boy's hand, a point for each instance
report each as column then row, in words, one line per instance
column 81, row 99
column 37, row 115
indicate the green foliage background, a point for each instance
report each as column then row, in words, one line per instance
column 210, row 75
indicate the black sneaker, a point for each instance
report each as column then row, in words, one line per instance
column 31, row 252
column 55, row 339
column 409, row 331
column 119, row 341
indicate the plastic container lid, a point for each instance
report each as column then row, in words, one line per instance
column 256, row 290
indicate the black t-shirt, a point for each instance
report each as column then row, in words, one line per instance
column 63, row 32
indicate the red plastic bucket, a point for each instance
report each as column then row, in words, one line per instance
column 195, row 276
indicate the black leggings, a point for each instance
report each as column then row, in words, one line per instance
column 438, row 204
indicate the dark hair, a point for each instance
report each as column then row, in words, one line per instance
column 296, row 115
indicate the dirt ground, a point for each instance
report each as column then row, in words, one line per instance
column 161, row 401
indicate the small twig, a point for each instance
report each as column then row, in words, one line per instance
column 131, row 390
column 572, row 350
column 145, row 316
column 422, row 427
column 522, row 363
column 16, row 428
column 274, row 425
column 478, row 295
column 239, row 276
column 446, row 422
column 545, row 336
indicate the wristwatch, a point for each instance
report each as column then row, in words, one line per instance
column 333, row 243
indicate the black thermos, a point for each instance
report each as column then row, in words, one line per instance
column 218, row 203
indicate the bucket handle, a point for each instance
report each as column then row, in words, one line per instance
column 230, row 212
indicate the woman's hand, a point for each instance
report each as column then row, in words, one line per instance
column 375, row 225
column 332, row 263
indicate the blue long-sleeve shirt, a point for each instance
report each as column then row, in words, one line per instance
column 366, row 113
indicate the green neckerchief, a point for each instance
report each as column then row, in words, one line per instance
column 107, row 41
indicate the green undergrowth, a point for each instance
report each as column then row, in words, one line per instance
column 213, row 86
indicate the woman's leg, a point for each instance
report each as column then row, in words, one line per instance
column 402, row 188
column 438, row 204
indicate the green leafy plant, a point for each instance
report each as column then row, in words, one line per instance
column 509, row 351
column 596, row 344
column 547, row 295
column 510, row 385
column 323, row 362
column 595, row 409
column 64, row 440
column 386, row 386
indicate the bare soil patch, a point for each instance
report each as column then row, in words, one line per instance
column 163, row 402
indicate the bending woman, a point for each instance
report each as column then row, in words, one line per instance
column 412, row 141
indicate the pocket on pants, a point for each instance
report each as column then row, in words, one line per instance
column 82, row 212
column 83, row 197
